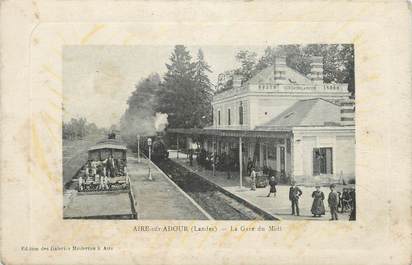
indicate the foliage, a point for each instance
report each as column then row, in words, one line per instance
column 204, row 89
column 225, row 81
column 185, row 93
column 183, row 98
column 338, row 61
column 79, row 128
column 247, row 61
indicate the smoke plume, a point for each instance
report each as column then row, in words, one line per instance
column 160, row 121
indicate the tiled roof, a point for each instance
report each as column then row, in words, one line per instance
column 311, row 112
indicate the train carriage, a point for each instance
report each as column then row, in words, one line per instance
column 106, row 148
column 106, row 168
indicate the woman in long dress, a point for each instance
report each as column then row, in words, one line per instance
column 272, row 184
column 318, row 208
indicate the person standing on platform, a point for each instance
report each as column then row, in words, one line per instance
column 333, row 203
column 110, row 166
column 294, row 195
column 253, row 179
column 272, row 184
column 191, row 157
column 227, row 165
column 249, row 166
column 318, row 208
column 352, row 216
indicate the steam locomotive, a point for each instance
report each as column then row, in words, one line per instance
column 159, row 150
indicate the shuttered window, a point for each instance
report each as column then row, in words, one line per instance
column 322, row 161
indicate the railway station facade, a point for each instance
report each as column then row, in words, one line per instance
column 280, row 119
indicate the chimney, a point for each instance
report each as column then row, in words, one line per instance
column 316, row 69
column 347, row 112
column 237, row 81
column 280, row 69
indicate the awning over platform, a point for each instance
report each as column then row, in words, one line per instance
column 283, row 133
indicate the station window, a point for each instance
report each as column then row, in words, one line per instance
column 228, row 116
column 322, row 161
column 241, row 114
column 218, row 117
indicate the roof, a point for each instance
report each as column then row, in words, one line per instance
column 311, row 112
column 267, row 75
column 231, row 133
column 109, row 144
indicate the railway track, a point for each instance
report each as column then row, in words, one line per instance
column 219, row 205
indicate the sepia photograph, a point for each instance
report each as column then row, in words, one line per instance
column 205, row 132
column 209, row 132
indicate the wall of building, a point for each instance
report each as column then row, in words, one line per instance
column 233, row 105
column 343, row 155
column 257, row 109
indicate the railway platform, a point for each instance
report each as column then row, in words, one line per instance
column 160, row 198
column 279, row 206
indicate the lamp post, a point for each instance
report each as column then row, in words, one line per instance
column 138, row 148
column 149, row 143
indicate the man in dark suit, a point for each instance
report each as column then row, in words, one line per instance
column 333, row 203
column 110, row 166
column 294, row 195
column 249, row 166
column 352, row 216
column 191, row 157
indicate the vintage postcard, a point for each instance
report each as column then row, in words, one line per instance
column 208, row 132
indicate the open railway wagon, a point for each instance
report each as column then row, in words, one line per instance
column 106, row 168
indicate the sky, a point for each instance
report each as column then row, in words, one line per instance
column 98, row 80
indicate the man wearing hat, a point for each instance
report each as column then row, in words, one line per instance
column 294, row 195
column 333, row 203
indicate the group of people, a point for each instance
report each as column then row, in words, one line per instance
column 99, row 172
column 344, row 199
column 318, row 207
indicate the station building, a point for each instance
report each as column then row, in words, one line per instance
column 286, row 121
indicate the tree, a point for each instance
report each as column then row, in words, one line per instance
column 338, row 61
column 78, row 129
column 247, row 61
column 204, row 91
column 185, row 94
column 225, row 80
column 267, row 59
